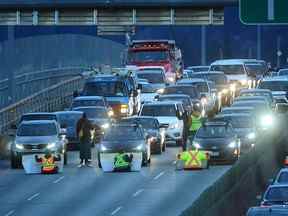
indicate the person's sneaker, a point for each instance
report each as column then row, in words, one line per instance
column 81, row 164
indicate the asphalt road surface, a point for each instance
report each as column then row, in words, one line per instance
column 156, row 190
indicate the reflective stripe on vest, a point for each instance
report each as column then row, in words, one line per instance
column 120, row 162
column 48, row 164
column 196, row 123
column 193, row 159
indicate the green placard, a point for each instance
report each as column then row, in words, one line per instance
column 264, row 11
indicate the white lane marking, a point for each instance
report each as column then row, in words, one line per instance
column 10, row 213
column 116, row 210
column 33, row 196
column 138, row 192
column 159, row 175
column 59, row 179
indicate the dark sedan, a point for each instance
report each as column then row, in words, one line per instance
column 219, row 139
column 275, row 195
column 152, row 127
column 68, row 120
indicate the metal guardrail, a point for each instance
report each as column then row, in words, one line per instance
column 47, row 100
column 29, row 83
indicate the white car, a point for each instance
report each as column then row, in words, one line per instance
column 147, row 93
column 168, row 113
column 155, row 75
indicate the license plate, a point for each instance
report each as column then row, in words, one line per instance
column 215, row 154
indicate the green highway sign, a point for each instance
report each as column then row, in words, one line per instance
column 264, row 11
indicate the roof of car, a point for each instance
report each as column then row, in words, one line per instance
column 275, row 78
column 151, row 67
column 140, row 117
column 89, row 98
column 188, row 80
column 101, row 78
column 270, row 210
column 39, row 122
column 209, row 72
column 199, row 66
column 215, row 123
column 229, row 62
column 68, row 112
column 237, row 108
column 254, row 97
column 233, row 115
column 38, row 113
column 88, row 107
column 249, row 102
column 174, row 95
column 156, row 103
column 254, row 90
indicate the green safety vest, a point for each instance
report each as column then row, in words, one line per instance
column 193, row 159
column 120, row 162
column 196, row 123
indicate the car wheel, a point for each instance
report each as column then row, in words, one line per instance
column 16, row 161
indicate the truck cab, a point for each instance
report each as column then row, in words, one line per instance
column 157, row 53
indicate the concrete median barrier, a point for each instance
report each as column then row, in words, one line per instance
column 236, row 191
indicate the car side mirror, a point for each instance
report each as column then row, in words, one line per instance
column 281, row 108
column 164, row 126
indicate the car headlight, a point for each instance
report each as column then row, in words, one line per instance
column 110, row 113
column 204, row 100
column 19, row 146
column 173, row 126
column 139, row 147
column 243, row 82
column 160, row 91
column 251, row 136
column 196, row 145
column 105, row 126
column 124, row 108
column 103, row 148
column 51, row 145
column 224, row 91
column 232, row 144
column 267, row 121
column 233, row 87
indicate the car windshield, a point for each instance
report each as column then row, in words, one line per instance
column 214, row 132
column 69, row 119
column 120, row 133
column 105, row 89
column 159, row 110
column 201, row 86
column 37, row 130
column 241, row 122
column 147, row 88
column 255, row 69
column 93, row 112
column 283, row 178
column 232, row 111
column 283, row 72
column 188, row 90
column 277, row 194
column 218, row 79
column 229, row 69
column 148, row 56
column 274, row 85
column 38, row 117
column 152, row 77
column 265, row 94
column 257, row 106
column 198, row 69
column 82, row 103
column 185, row 101
column 145, row 123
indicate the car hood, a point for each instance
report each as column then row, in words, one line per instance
column 278, row 93
column 117, row 100
column 36, row 139
column 214, row 143
column 237, row 77
column 147, row 97
column 167, row 120
column 119, row 145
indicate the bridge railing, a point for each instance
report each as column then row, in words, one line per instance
column 29, row 83
column 49, row 99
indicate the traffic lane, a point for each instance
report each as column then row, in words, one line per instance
column 75, row 186
column 171, row 193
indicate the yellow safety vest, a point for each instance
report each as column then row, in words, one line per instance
column 48, row 164
column 196, row 123
column 193, row 159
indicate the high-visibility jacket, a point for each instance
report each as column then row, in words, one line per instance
column 120, row 162
column 48, row 164
column 196, row 123
column 193, row 159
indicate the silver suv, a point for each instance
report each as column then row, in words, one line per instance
column 34, row 137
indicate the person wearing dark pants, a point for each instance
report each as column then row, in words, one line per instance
column 84, row 128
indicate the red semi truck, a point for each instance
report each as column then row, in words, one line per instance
column 157, row 53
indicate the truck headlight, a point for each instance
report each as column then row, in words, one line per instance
column 124, row 108
column 51, row 145
column 105, row 126
column 232, row 144
column 251, row 136
column 196, row 145
column 19, row 146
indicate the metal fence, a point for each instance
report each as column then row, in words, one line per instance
column 50, row 99
column 29, row 83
